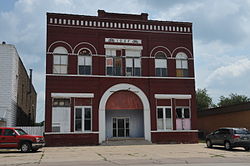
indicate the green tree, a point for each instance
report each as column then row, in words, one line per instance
column 203, row 100
column 233, row 99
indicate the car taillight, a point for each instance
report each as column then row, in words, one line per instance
column 235, row 136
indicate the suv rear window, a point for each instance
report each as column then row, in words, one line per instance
column 241, row 131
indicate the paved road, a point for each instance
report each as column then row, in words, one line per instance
column 178, row 154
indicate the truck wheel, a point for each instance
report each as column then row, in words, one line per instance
column 25, row 147
column 227, row 145
column 209, row 144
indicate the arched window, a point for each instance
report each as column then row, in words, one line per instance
column 60, row 60
column 84, row 62
column 160, row 64
column 181, row 65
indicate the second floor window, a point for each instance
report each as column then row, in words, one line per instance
column 160, row 64
column 84, row 62
column 114, row 66
column 133, row 66
column 181, row 65
column 60, row 61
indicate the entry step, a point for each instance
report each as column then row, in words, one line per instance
column 125, row 141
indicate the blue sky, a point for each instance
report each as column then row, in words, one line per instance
column 221, row 36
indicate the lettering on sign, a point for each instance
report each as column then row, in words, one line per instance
column 126, row 41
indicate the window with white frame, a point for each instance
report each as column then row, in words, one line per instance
column 60, row 60
column 181, row 65
column 160, row 64
column 84, row 62
column 113, row 63
column 133, row 62
column 61, row 115
column 164, row 118
column 83, row 118
column 183, row 118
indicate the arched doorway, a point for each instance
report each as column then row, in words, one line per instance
column 124, row 115
column 140, row 102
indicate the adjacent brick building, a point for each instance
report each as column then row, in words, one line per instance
column 17, row 94
column 228, row 116
column 118, row 76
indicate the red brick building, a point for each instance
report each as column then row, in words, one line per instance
column 228, row 116
column 119, row 75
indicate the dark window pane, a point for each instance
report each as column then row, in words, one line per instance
column 87, row 113
column 168, row 113
column 186, row 113
column 1, row 131
column 127, row 123
column 164, row 72
column 114, row 123
column 117, row 71
column 78, row 113
column 121, row 132
column 185, row 72
column 84, row 70
column 178, row 113
column 158, row 72
column 78, row 125
column 114, row 133
column 160, row 113
column 137, row 71
column 127, row 132
column 109, row 70
column 81, row 69
column 87, row 70
column 87, row 125
column 129, row 71
column 121, row 123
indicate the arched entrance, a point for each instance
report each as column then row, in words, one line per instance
column 124, row 115
column 140, row 102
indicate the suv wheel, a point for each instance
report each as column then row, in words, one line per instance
column 227, row 145
column 25, row 147
column 209, row 143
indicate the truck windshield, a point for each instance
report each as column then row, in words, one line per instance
column 241, row 131
column 21, row 132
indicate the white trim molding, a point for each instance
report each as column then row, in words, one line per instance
column 172, row 96
column 111, row 46
column 102, row 109
column 125, row 77
column 68, row 95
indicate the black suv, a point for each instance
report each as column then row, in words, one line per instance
column 229, row 138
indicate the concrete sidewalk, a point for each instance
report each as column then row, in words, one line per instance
column 127, row 155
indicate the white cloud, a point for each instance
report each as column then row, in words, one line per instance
column 234, row 71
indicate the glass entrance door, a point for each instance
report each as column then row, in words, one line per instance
column 120, row 127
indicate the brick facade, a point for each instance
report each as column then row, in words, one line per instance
column 122, row 32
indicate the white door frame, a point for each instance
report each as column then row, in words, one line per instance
column 135, row 90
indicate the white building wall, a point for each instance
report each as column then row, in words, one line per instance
column 8, row 83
